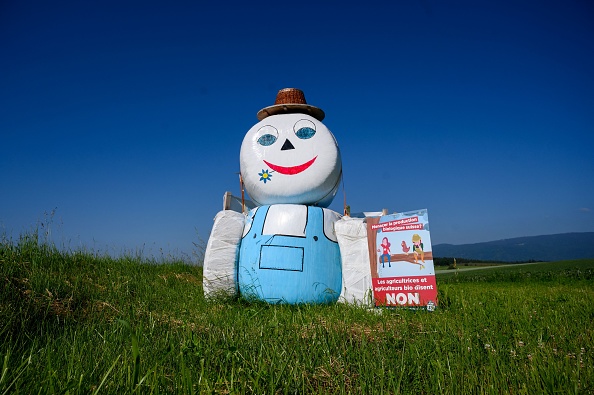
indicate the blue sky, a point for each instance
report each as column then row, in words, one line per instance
column 126, row 118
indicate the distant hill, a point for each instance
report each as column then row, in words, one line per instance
column 540, row 248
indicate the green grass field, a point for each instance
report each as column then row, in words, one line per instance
column 79, row 323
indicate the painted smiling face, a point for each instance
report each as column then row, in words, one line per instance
column 290, row 158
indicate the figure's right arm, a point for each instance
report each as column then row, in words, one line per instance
column 222, row 252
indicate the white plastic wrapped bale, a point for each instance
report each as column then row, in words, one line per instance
column 290, row 159
column 356, row 272
column 222, row 249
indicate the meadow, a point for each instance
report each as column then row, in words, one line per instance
column 84, row 323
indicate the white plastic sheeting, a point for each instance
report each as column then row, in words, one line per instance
column 222, row 250
column 291, row 159
column 356, row 272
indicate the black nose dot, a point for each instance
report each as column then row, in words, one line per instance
column 315, row 238
column 287, row 145
column 254, row 235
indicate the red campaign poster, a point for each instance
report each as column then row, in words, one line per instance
column 402, row 270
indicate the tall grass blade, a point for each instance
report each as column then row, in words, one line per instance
column 96, row 391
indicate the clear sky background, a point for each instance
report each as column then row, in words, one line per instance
column 125, row 118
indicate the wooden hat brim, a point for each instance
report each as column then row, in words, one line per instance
column 315, row 112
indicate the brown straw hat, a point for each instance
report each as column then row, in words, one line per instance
column 291, row 100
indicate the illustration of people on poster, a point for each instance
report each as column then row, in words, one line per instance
column 401, row 260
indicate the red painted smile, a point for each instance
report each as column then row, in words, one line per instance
column 291, row 170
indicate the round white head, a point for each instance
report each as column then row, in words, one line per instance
column 290, row 158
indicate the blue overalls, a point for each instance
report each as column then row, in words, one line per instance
column 303, row 266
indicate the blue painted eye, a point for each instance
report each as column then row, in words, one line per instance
column 266, row 140
column 267, row 135
column 304, row 129
column 305, row 133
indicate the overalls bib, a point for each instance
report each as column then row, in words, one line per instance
column 289, row 254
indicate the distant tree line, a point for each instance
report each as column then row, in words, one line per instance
column 449, row 261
